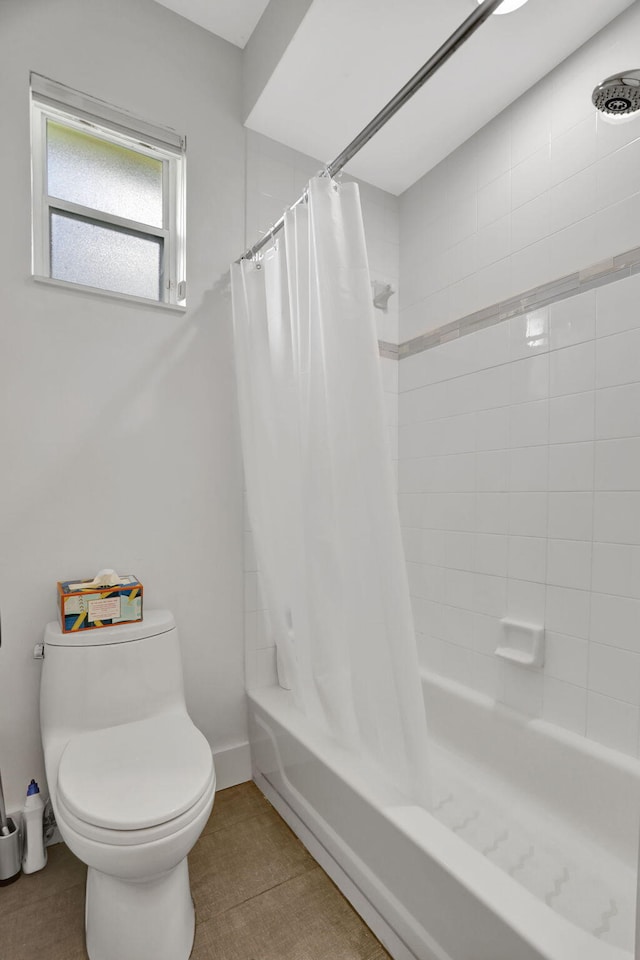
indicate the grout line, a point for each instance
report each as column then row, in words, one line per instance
column 596, row 275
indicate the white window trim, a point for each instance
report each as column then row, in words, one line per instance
column 52, row 101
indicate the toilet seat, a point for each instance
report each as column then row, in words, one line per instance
column 146, row 778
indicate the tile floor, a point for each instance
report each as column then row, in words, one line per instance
column 259, row 896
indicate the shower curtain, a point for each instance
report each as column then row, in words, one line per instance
column 320, row 488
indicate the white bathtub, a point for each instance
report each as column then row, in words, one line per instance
column 530, row 853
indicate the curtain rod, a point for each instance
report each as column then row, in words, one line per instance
column 464, row 31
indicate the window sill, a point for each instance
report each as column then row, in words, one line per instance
column 111, row 295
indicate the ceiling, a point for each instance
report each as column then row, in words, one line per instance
column 233, row 20
column 347, row 58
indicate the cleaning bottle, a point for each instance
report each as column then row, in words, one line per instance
column 34, row 856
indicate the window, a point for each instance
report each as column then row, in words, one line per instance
column 108, row 197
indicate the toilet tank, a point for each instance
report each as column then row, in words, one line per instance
column 111, row 675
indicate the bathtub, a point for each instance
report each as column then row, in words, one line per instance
column 529, row 853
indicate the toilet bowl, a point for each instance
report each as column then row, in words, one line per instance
column 131, row 779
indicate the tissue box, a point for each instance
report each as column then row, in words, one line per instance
column 98, row 606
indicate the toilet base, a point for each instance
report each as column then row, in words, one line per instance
column 140, row 920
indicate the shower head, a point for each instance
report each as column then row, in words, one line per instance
column 618, row 95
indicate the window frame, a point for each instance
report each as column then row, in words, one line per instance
column 62, row 105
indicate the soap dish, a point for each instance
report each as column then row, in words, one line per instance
column 522, row 643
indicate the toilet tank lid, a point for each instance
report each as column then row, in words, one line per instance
column 154, row 623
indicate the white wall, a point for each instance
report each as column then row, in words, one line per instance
column 118, row 425
column 519, row 445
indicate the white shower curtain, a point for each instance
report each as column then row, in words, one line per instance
column 320, row 487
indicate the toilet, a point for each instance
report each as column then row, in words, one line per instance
column 131, row 781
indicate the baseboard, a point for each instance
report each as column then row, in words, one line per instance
column 233, row 765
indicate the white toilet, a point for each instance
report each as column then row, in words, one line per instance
column 131, row 781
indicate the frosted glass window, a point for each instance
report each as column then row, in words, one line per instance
column 106, row 257
column 109, row 197
column 105, row 176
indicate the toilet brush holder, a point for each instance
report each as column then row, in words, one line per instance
column 10, row 854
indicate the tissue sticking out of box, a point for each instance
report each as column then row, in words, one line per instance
column 104, row 578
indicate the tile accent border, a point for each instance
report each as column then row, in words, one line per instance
column 597, row 275
column 389, row 351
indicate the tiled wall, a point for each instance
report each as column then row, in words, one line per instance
column 519, row 445
column 520, row 497
column 548, row 188
column 276, row 176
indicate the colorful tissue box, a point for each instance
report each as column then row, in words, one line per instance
column 86, row 609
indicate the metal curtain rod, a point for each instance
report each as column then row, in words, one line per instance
column 464, row 31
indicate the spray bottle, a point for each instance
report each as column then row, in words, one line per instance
column 34, row 856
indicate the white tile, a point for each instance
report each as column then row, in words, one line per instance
column 616, row 517
column 564, row 705
column 532, row 265
column 459, row 589
column 568, row 611
column 614, row 673
column 575, row 246
column 531, row 126
column 531, row 177
column 528, row 469
column 490, row 597
column 617, row 359
column 389, row 374
column 571, row 516
column 528, row 514
column 459, row 550
column 617, row 228
column 494, row 199
column 492, row 429
column 616, row 569
column 569, row 564
column 618, row 412
column 572, row 369
column 572, row 200
column 487, row 633
column 494, row 283
column 571, row 418
column 492, row 471
column 490, row 554
column 530, row 222
column 612, row 723
column 618, row 175
column 573, row 320
column 617, row 306
column 491, row 147
column 614, row 136
column 574, row 150
column 526, row 601
column 492, row 512
column 566, row 658
column 458, row 626
column 529, row 334
column 615, row 621
column 527, row 559
column 494, row 242
column 571, row 466
column 260, row 668
column 529, row 424
column 617, row 465
column 529, row 379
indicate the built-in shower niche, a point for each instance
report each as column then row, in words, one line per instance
column 521, row 643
